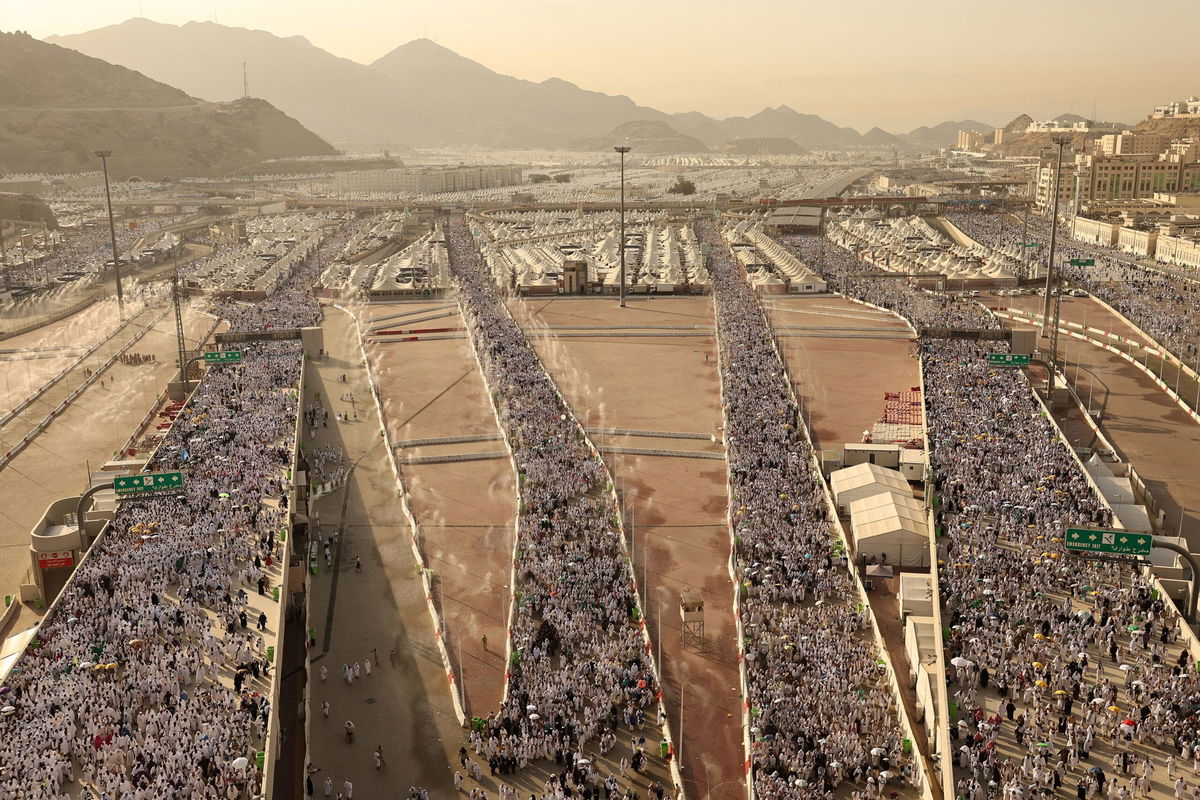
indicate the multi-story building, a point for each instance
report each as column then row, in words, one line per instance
column 1131, row 144
column 1179, row 108
column 1136, row 176
column 1044, row 193
column 1139, row 241
column 998, row 136
column 1094, row 231
column 970, row 140
column 1178, row 250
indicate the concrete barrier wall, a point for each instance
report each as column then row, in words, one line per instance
column 639, row 591
column 53, row 381
column 58, row 317
column 1065, row 328
column 919, row 779
column 272, row 738
column 731, row 564
column 41, row 426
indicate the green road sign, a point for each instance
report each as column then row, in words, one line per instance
column 1083, row 262
column 148, row 482
column 1029, row 244
column 1118, row 543
column 223, row 357
column 1008, row 360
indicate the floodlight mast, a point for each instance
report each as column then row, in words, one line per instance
column 104, row 155
column 622, row 149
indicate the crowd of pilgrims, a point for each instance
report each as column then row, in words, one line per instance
column 822, row 711
column 81, row 250
column 1056, row 663
column 1162, row 305
column 148, row 679
column 578, row 661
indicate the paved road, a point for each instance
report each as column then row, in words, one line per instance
column 1146, row 426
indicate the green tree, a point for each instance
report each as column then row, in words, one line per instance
column 682, row 186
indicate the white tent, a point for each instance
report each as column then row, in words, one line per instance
column 891, row 527
column 864, row 480
column 916, row 594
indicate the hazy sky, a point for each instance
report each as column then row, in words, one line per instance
column 893, row 63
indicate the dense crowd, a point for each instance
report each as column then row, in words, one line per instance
column 148, row 679
column 85, row 250
column 1058, row 663
column 822, row 711
column 1161, row 304
column 578, row 663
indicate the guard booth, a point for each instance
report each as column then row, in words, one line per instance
column 691, row 612
column 574, row 276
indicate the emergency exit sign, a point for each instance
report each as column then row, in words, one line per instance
column 148, row 483
column 223, row 357
column 1106, row 542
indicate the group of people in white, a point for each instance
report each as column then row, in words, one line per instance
column 577, row 660
column 1066, row 674
column 150, row 677
column 1160, row 303
column 821, row 712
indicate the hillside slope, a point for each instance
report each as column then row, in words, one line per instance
column 645, row 137
column 420, row 93
column 54, row 115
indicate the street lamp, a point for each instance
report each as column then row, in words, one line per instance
column 622, row 149
column 103, row 155
column 1049, row 326
column 8, row 282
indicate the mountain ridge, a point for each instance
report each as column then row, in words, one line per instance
column 424, row 93
column 153, row 129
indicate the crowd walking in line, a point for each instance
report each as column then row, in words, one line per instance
column 822, row 711
column 577, row 661
column 1162, row 304
column 151, row 676
column 1069, row 675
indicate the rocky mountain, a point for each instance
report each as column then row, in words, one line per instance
column 787, row 122
column 945, row 134
column 58, row 106
column 423, row 94
column 645, row 137
column 420, row 93
column 1019, row 124
column 763, row 146
column 880, row 138
column 338, row 98
column 463, row 101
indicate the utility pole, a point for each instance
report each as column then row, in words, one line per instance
column 175, row 297
column 622, row 149
column 1025, row 238
column 1050, row 325
column 8, row 282
column 245, row 81
column 103, row 155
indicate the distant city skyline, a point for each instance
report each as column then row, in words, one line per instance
column 863, row 64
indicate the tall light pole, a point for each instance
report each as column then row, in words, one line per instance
column 103, row 155
column 8, row 283
column 1050, row 326
column 622, row 149
column 1061, row 141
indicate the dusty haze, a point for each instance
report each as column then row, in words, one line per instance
column 897, row 65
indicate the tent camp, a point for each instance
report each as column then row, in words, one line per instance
column 864, row 480
column 891, row 527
